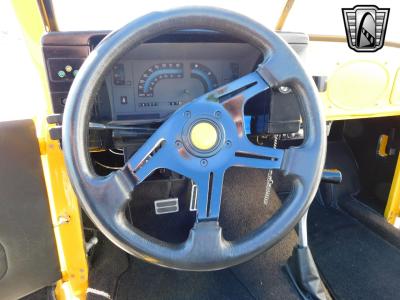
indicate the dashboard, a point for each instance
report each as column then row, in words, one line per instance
column 159, row 76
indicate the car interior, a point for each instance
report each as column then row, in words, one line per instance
column 213, row 159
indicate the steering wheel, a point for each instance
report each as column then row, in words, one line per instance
column 200, row 141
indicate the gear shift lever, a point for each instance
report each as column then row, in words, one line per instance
column 301, row 266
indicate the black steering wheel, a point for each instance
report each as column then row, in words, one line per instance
column 177, row 145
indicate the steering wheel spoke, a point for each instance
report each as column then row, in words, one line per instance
column 234, row 95
column 244, row 88
column 209, row 194
column 253, row 156
column 150, row 157
column 156, row 153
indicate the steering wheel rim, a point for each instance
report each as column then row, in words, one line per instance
column 104, row 198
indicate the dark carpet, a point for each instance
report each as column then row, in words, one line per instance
column 355, row 262
column 145, row 281
column 372, row 220
column 107, row 266
column 260, row 278
column 242, row 211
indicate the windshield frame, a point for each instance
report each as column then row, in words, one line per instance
column 47, row 11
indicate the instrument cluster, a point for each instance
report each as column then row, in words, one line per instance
column 149, row 84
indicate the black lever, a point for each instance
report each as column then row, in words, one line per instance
column 331, row 176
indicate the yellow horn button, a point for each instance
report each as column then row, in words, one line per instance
column 204, row 136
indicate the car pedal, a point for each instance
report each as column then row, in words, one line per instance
column 193, row 198
column 166, row 206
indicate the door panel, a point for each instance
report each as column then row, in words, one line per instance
column 28, row 256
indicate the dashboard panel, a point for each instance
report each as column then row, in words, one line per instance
column 149, row 83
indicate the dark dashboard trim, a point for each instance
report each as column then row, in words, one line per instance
column 71, row 38
column 92, row 38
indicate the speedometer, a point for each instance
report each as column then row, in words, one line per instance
column 155, row 73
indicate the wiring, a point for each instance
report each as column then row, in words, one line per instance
column 117, row 153
column 97, row 150
column 107, row 167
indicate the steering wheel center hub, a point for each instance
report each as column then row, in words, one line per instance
column 204, row 136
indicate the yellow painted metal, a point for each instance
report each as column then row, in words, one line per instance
column 285, row 12
column 342, row 38
column 338, row 114
column 359, row 84
column 65, row 211
column 392, row 210
column 203, row 136
column 48, row 23
column 382, row 144
column 361, row 89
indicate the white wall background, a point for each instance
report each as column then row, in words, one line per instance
column 20, row 88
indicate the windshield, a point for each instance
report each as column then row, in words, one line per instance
column 309, row 16
column 113, row 14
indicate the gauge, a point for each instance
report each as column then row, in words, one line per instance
column 205, row 75
column 155, row 73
